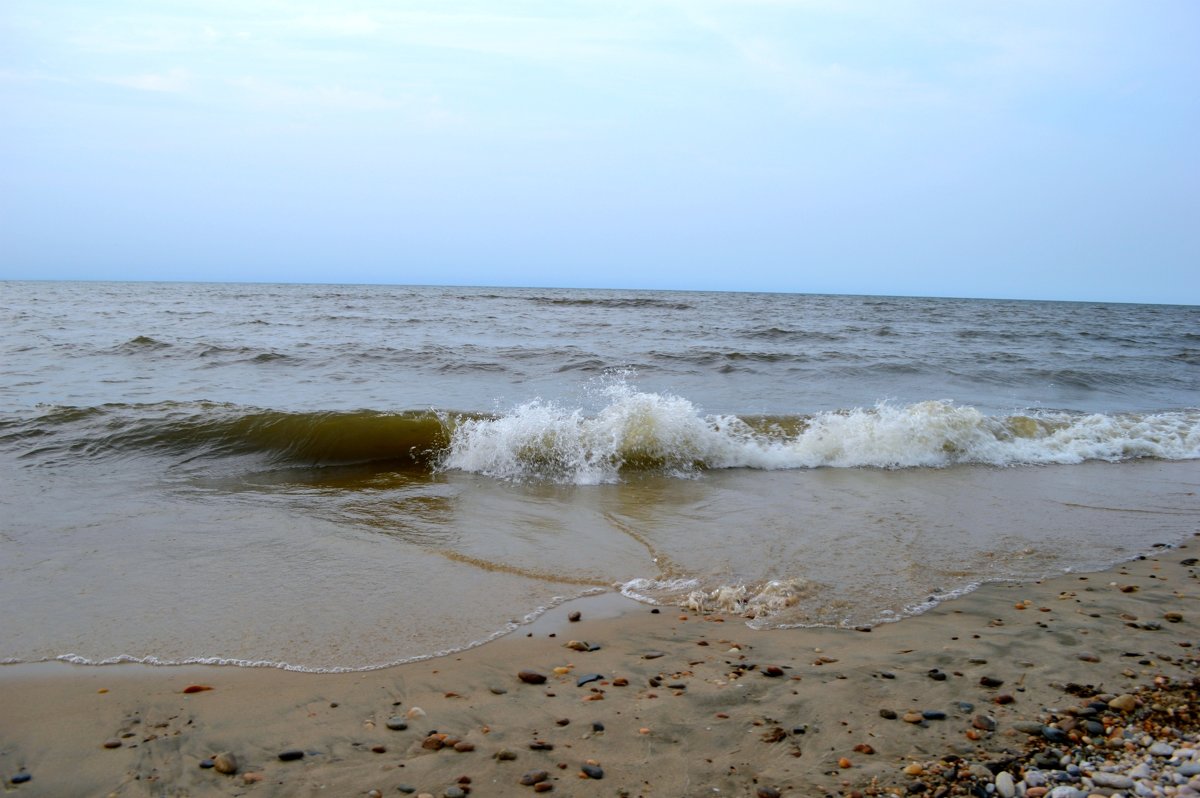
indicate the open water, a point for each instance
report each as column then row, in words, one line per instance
column 343, row 477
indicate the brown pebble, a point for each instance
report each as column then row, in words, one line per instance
column 844, row 763
column 864, row 748
column 462, row 746
column 913, row 717
column 541, row 745
column 379, row 749
column 251, row 778
column 112, row 742
column 196, row 688
column 1129, row 588
column 533, row 777
column 574, row 616
column 1004, row 699
column 767, row 792
column 1087, row 656
column 531, row 677
column 226, row 763
column 1173, row 617
column 543, row 786
column 620, row 681
column 990, row 681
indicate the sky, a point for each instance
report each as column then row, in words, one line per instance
column 1008, row 148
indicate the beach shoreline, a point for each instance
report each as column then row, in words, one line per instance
column 683, row 704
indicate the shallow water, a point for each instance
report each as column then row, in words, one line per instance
column 343, row 477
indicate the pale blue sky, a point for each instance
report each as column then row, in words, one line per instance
column 1040, row 149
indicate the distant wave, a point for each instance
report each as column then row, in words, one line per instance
column 633, row 431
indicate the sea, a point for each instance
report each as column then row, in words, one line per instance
column 344, row 477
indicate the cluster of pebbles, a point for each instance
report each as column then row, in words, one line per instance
column 1142, row 745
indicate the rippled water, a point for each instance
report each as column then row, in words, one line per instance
column 347, row 476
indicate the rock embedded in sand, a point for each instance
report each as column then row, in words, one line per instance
column 504, row 755
column 531, row 677
column 226, row 763
column 592, row 771
column 533, row 777
column 396, row 723
column 574, row 616
column 290, row 755
column 112, row 742
column 990, row 681
column 21, row 778
column 887, row 714
column 767, row 792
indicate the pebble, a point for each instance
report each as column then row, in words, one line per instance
column 531, row 677
column 20, row 778
column 937, row 675
column 592, row 771
column 205, row 764
column 984, row 722
column 574, row 616
column 112, row 742
column 588, row 678
column 887, row 714
column 1004, row 784
column 396, row 723
column 989, row 681
column 226, row 763
column 1115, row 781
column 913, row 717
column 767, row 792
column 1123, row 703
column 533, row 777
column 290, row 755
column 454, row 792
column 504, row 755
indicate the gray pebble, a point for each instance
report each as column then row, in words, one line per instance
column 592, row 772
column 1115, row 781
column 396, row 723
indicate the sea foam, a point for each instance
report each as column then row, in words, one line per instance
column 637, row 430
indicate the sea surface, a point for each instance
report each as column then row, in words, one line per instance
column 327, row 477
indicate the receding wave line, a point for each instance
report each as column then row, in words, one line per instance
column 644, row 302
column 633, row 431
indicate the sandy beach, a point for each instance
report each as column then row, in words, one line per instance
column 638, row 702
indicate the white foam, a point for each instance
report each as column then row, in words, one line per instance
column 639, row 430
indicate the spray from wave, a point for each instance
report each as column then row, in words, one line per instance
column 651, row 431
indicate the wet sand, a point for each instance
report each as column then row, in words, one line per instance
column 685, row 705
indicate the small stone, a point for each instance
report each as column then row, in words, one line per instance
column 1111, row 780
column 543, row 786
column 454, row 792
column 574, row 616
column 396, row 723
column 504, row 755
column 844, row 763
column 1173, row 617
column 533, row 777
column 592, row 771
column 226, row 763
column 531, row 677
column 1004, row 784
column 1123, row 703
column 767, row 792
column 1054, row 735
column 653, row 655
column 1087, row 656
column 414, row 713
column 989, row 681
column 588, row 678
column 773, row 671
column 937, row 675
column 915, row 769
column 112, row 742
column 374, row 794
column 984, row 722
column 1161, row 749
column 577, row 645
column 541, row 745
column 407, row 789
column 206, row 764
column 196, row 688
column 864, row 748
column 379, row 749
column 933, row 714
column 290, row 755
column 20, row 778
column 1029, row 727
column 887, row 714
column 463, row 747
column 251, row 778
column 912, row 717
